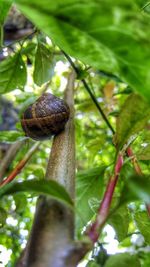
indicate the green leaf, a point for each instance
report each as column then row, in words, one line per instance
column 132, row 119
column 144, row 153
column 117, row 43
column 11, row 136
column 20, row 202
column 136, row 187
column 146, row 8
column 143, row 223
column 12, row 74
column 89, row 185
column 50, row 188
column 3, row 217
column 4, row 7
column 123, row 260
column 120, row 222
column 43, row 66
column 92, row 263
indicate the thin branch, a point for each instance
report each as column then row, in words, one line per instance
column 90, row 93
column 20, row 165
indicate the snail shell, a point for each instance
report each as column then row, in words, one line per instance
column 46, row 117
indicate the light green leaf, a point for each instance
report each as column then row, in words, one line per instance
column 89, row 185
column 120, row 222
column 132, row 119
column 4, row 7
column 123, row 260
column 50, row 188
column 11, row 136
column 12, row 74
column 143, row 223
column 43, row 66
column 116, row 43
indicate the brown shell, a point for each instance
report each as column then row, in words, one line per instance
column 46, row 117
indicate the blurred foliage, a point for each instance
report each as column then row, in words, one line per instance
column 109, row 41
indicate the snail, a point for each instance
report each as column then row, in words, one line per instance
column 46, row 117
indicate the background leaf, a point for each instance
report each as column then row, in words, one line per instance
column 4, row 8
column 136, row 187
column 12, row 74
column 11, row 136
column 120, row 222
column 43, row 66
column 123, row 260
column 3, row 216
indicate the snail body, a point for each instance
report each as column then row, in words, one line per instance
column 46, row 117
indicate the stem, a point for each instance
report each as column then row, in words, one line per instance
column 20, row 165
column 94, row 230
column 90, row 93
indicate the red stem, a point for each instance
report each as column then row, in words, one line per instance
column 94, row 230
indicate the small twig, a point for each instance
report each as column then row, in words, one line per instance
column 20, row 165
column 103, row 212
column 90, row 93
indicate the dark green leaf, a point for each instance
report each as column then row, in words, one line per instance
column 92, row 264
column 12, row 74
column 11, row 136
column 3, row 216
column 143, row 223
column 120, row 222
column 20, row 202
column 117, row 43
column 4, row 7
column 123, row 260
column 50, row 188
column 89, row 185
column 136, row 187
column 132, row 118
column 43, row 66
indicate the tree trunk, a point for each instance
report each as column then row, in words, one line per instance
column 51, row 242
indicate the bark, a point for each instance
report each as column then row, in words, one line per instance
column 51, row 242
